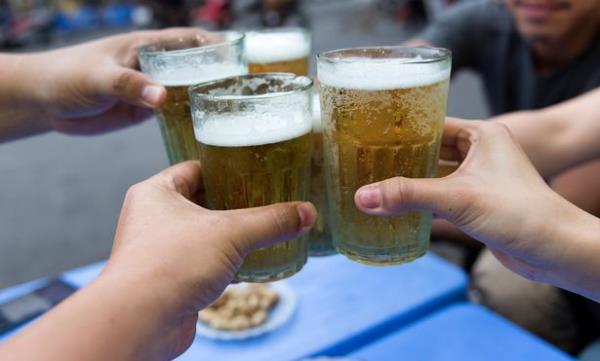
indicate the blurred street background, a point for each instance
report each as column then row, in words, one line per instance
column 60, row 195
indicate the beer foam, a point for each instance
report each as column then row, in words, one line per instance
column 316, row 113
column 197, row 74
column 251, row 128
column 272, row 47
column 380, row 74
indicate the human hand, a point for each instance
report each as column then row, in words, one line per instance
column 95, row 87
column 495, row 196
column 187, row 254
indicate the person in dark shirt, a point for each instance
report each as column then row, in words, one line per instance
column 531, row 54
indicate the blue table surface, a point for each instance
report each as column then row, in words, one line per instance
column 463, row 332
column 10, row 293
column 342, row 306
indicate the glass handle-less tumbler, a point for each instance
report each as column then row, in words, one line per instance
column 180, row 63
column 254, row 140
column 383, row 112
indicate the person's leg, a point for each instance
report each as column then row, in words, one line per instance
column 591, row 353
column 541, row 309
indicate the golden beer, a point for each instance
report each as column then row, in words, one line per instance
column 260, row 175
column 383, row 112
column 256, row 151
column 296, row 66
column 283, row 50
column 320, row 241
column 177, row 64
column 176, row 125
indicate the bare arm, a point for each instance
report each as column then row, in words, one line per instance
column 561, row 136
column 89, row 88
column 497, row 197
column 170, row 258
column 22, row 110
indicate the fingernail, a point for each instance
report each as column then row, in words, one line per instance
column 369, row 197
column 306, row 213
column 151, row 94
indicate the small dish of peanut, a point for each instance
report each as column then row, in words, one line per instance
column 247, row 310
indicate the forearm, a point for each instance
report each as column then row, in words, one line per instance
column 558, row 137
column 108, row 320
column 582, row 250
column 22, row 108
column 574, row 242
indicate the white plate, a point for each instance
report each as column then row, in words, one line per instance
column 278, row 316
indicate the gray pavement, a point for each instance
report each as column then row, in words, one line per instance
column 60, row 196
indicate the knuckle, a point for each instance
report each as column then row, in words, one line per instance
column 134, row 193
column 123, row 81
column 283, row 220
column 396, row 192
column 175, row 183
column 134, row 190
column 236, row 246
column 497, row 129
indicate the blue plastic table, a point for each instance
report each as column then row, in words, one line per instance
column 461, row 332
column 14, row 292
column 342, row 306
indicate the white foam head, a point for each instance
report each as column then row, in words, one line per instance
column 251, row 128
column 185, row 76
column 380, row 74
column 316, row 113
column 270, row 47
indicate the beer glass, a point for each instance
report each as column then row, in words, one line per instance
column 178, row 63
column 254, row 141
column 383, row 111
column 278, row 50
column 320, row 242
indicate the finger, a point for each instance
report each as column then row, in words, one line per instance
column 453, row 139
column 264, row 226
column 445, row 168
column 184, row 178
column 133, row 87
column 399, row 195
column 192, row 36
column 119, row 116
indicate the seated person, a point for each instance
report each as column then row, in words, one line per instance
column 530, row 55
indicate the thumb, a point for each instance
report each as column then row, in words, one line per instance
column 263, row 226
column 396, row 196
column 133, row 87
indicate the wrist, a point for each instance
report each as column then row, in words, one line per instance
column 139, row 313
column 151, row 288
column 23, row 96
column 571, row 249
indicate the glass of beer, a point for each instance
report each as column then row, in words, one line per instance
column 254, row 141
column 278, row 50
column 320, row 242
column 383, row 111
column 178, row 63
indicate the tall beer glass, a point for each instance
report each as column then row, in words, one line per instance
column 278, row 50
column 383, row 110
column 254, row 140
column 179, row 63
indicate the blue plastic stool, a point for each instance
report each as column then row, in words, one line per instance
column 462, row 332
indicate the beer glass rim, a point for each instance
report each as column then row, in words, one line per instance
column 389, row 53
column 301, row 84
column 157, row 48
